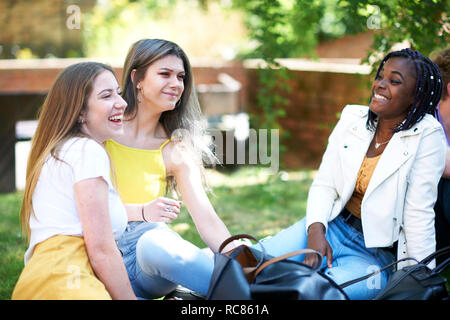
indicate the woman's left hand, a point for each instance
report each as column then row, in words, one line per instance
column 161, row 210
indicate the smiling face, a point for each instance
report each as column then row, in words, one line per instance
column 163, row 83
column 393, row 89
column 105, row 107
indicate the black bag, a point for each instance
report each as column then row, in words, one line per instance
column 246, row 273
column 415, row 282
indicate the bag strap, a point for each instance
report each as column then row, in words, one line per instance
column 435, row 254
column 441, row 266
column 245, row 236
column 425, row 261
column 349, row 283
column 288, row 255
column 237, row 237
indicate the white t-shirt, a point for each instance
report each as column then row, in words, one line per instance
column 55, row 211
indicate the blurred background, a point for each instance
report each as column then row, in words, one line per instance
column 284, row 66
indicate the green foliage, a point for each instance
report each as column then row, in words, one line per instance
column 281, row 28
column 274, row 28
column 292, row 28
column 421, row 23
column 339, row 19
column 201, row 28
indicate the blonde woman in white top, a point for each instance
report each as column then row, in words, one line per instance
column 71, row 211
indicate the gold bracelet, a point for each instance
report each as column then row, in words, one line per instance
column 143, row 215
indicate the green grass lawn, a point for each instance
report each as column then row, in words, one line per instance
column 249, row 200
column 253, row 201
column 12, row 245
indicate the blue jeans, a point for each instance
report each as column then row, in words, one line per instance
column 351, row 258
column 158, row 259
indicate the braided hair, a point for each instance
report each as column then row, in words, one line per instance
column 427, row 92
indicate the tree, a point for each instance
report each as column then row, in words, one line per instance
column 292, row 28
column 424, row 24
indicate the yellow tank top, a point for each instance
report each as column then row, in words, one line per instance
column 140, row 173
column 362, row 182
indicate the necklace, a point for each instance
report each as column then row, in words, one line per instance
column 377, row 145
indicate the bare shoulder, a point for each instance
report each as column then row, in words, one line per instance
column 177, row 157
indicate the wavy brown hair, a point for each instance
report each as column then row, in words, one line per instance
column 184, row 123
column 57, row 123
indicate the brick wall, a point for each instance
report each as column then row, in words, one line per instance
column 207, row 73
column 315, row 101
column 351, row 46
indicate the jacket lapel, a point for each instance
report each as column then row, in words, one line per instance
column 394, row 156
column 354, row 148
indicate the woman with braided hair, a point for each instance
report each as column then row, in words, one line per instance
column 372, row 199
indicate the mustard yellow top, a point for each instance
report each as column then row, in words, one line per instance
column 362, row 181
column 140, row 173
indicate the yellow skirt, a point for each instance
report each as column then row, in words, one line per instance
column 59, row 269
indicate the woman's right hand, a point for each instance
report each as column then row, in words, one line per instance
column 318, row 242
column 161, row 210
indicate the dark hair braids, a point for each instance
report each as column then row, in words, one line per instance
column 427, row 92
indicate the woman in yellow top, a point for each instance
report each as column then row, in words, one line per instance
column 162, row 148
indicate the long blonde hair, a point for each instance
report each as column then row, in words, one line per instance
column 57, row 123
